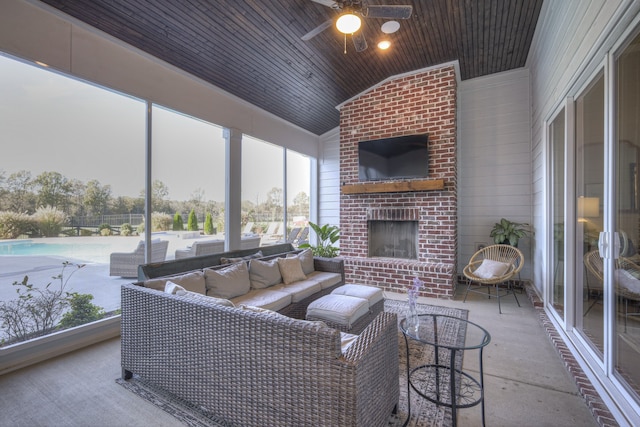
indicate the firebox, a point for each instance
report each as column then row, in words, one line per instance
column 393, row 239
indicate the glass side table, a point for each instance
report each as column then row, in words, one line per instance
column 450, row 337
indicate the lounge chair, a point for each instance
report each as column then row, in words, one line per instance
column 125, row 264
column 204, row 247
column 303, row 237
column 293, row 234
column 250, row 242
column 248, row 229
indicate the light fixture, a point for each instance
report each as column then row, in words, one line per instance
column 390, row 27
column 384, row 44
column 588, row 207
column 348, row 23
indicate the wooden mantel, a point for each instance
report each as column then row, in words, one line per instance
column 393, row 187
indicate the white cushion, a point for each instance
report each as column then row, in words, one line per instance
column 490, row 268
column 264, row 273
column 194, row 282
column 291, row 270
column 228, row 282
column 370, row 293
column 325, row 279
column 306, row 260
column 299, row 290
column 627, row 281
column 174, row 289
column 340, row 309
column 264, row 298
column 346, row 340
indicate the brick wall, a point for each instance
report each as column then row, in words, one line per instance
column 415, row 104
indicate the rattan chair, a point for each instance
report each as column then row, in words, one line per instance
column 594, row 266
column 506, row 254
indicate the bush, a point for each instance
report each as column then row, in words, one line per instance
column 208, row 225
column 49, row 220
column 105, row 230
column 140, row 228
column 13, row 224
column 192, row 224
column 161, row 221
column 178, row 224
column 82, row 311
column 126, row 229
column 85, row 232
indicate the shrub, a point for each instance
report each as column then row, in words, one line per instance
column 82, row 311
column 192, row 223
column 85, row 232
column 105, row 230
column 13, row 224
column 126, row 229
column 49, row 220
column 140, row 228
column 178, row 224
column 161, row 221
column 327, row 236
column 208, row 225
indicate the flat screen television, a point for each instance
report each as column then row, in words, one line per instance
column 394, row 158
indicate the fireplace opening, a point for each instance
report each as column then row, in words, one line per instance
column 393, row 239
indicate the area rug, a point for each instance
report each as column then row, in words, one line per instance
column 423, row 412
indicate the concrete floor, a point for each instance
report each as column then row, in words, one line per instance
column 525, row 381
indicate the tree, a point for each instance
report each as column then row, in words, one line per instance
column 192, row 222
column 159, row 191
column 20, row 198
column 96, row 197
column 178, row 224
column 301, row 203
column 208, row 224
column 54, row 190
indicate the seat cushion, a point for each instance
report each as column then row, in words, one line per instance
column 370, row 293
column 299, row 290
column 325, row 279
column 264, row 298
column 340, row 309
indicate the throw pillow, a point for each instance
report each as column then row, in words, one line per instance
column 291, row 270
column 490, row 268
column 306, row 259
column 229, row 282
column 192, row 296
column 264, row 273
column 193, row 282
column 173, row 288
column 224, row 260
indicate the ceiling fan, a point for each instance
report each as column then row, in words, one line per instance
column 349, row 23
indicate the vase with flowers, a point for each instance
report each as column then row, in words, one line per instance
column 412, row 314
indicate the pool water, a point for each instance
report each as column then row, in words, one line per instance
column 90, row 252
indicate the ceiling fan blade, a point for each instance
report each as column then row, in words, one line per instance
column 389, row 11
column 329, row 3
column 359, row 41
column 317, row 30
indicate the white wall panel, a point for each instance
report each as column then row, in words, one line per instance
column 329, row 171
column 494, row 166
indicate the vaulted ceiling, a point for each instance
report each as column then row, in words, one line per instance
column 253, row 49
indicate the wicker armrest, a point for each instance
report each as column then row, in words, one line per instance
column 331, row 265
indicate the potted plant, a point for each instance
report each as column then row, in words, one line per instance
column 508, row 232
column 327, row 236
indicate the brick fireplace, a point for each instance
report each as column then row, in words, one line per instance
column 412, row 104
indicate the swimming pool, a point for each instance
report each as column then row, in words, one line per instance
column 88, row 252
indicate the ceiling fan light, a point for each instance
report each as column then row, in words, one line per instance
column 348, row 23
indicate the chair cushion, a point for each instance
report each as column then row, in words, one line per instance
column 306, row 260
column 291, row 270
column 490, row 268
column 194, row 282
column 228, row 282
column 264, row 273
column 264, row 298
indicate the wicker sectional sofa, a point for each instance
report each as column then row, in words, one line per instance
column 255, row 367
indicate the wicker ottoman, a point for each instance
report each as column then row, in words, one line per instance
column 342, row 312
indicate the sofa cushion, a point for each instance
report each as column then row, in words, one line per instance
column 291, row 270
column 228, row 282
column 326, row 279
column 225, row 260
column 264, row 298
column 194, row 282
column 174, row 289
column 306, row 259
column 264, row 273
column 298, row 290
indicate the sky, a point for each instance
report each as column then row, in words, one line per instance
column 50, row 122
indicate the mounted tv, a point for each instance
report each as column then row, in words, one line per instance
column 394, row 158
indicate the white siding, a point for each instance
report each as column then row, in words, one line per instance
column 329, row 178
column 494, row 159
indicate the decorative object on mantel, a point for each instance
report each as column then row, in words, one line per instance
column 327, row 236
column 393, row 187
column 508, row 232
column 412, row 313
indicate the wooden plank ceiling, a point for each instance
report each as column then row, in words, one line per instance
column 252, row 48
